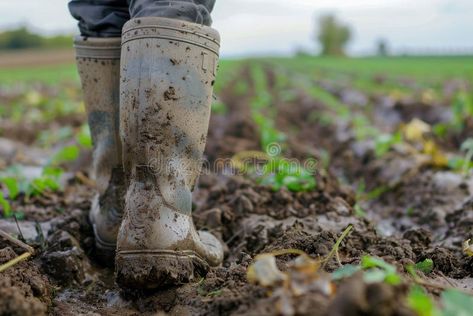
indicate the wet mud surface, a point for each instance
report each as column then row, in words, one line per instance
column 423, row 212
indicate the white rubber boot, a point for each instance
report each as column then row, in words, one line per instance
column 168, row 70
column 98, row 62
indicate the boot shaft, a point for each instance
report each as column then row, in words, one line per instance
column 98, row 62
column 168, row 72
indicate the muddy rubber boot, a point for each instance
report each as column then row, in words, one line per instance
column 168, row 70
column 98, row 62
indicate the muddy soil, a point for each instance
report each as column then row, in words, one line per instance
column 424, row 216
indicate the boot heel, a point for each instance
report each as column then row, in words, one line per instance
column 149, row 269
column 104, row 252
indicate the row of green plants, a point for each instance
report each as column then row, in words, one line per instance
column 30, row 103
column 364, row 129
column 278, row 172
column 16, row 184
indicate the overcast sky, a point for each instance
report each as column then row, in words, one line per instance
column 251, row 27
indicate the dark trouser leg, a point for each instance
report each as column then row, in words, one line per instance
column 105, row 18
column 196, row 11
column 100, row 18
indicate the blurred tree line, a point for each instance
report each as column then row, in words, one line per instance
column 22, row 38
column 333, row 36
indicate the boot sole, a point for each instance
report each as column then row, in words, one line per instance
column 151, row 269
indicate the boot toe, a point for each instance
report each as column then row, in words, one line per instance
column 213, row 249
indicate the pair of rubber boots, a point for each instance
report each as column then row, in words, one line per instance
column 148, row 97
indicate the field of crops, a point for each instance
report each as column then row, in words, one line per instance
column 339, row 187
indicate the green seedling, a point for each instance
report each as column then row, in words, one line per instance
column 384, row 142
column 440, row 129
column 83, row 137
column 268, row 133
column 359, row 211
column 5, row 206
column 377, row 270
column 219, row 108
column 374, row 270
column 421, row 302
column 459, row 163
column 12, row 186
column 462, row 107
column 377, row 192
column 426, row 266
column 65, row 154
column 362, row 195
column 279, row 173
column 48, row 181
column 467, row 147
column 344, row 272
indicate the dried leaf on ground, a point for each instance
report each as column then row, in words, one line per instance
column 302, row 277
column 467, row 248
column 415, row 130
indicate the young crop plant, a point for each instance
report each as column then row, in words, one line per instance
column 463, row 163
column 462, row 107
column 83, row 137
column 384, row 142
column 6, row 207
column 374, row 270
column 268, row 133
column 467, row 147
column 218, row 107
column 421, row 302
column 281, row 172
